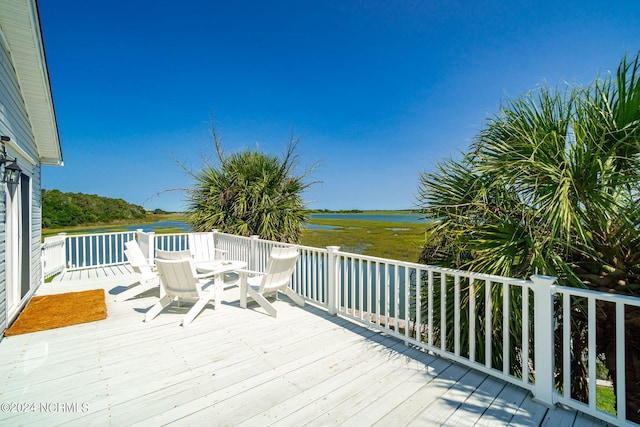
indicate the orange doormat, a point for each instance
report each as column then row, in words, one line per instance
column 55, row 311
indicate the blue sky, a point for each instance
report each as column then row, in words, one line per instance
column 377, row 91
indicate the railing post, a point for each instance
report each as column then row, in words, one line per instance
column 152, row 247
column 253, row 249
column 543, row 291
column 147, row 243
column 63, row 257
column 332, row 280
column 52, row 256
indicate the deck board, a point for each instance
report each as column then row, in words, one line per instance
column 242, row 367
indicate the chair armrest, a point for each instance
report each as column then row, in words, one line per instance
column 246, row 271
column 207, row 275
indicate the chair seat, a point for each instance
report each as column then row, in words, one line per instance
column 275, row 279
column 180, row 282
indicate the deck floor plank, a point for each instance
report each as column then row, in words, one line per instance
column 242, row 367
column 503, row 407
column 474, row 406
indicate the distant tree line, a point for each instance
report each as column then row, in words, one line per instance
column 68, row 209
column 350, row 211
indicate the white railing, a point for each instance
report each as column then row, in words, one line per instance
column 53, row 255
column 579, row 308
column 505, row 327
column 83, row 251
column 423, row 305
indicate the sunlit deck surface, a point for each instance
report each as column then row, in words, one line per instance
column 242, row 367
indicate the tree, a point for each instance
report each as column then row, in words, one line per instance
column 551, row 186
column 68, row 209
column 250, row 193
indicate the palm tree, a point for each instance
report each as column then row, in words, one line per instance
column 250, row 193
column 550, row 186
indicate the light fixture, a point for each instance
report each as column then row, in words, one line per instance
column 12, row 171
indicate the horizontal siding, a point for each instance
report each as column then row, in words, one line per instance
column 13, row 113
column 14, row 122
column 20, row 22
column 36, row 227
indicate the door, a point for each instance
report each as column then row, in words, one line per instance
column 18, row 244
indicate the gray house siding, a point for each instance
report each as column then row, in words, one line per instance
column 3, row 256
column 14, row 121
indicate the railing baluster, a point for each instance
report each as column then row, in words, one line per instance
column 344, row 271
column 418, row 325
column 443, row 311
column 396, row 297
column 472, row 319
column 304, row 273
column 378, row 302
column 387, row 295
column 76, row 241
column 352, row 283
column 621, row 366
column 360, row 289
column 370, row 286
column 89, row 242
column 488, row 329
column 566, row 345
column 591, row 329
column 506, row 350
column 525, row 334
column 430, row 308
column 456, row 315
column 407, row 291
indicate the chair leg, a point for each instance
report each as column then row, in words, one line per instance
column 294, row 296
column 264, row 303
column 243, row 290
column 194, row 311
column 157, row 308
column 128, row 293
column 135, row 290
column 218, row 296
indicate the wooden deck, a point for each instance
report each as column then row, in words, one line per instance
column 242, row 367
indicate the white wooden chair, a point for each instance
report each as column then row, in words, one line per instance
column 229, row 279
column 275, row 279
column 147, row 277
column 203, row 248
column 185, row 254
column 180, row 282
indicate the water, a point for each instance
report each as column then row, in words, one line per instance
column 183, row 227
column 320, row 227
column 413, row 218
column 180, row 226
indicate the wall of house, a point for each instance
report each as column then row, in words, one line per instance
column 14, row 122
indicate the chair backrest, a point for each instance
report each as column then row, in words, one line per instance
column 178, row 277
column 186, row 254
column 202, row 247
column 282, row 261
column 137, row 260
column 135, row 257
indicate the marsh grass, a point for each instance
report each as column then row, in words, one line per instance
column 395, row 240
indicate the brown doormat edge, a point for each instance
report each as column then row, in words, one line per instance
column 60, row 310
